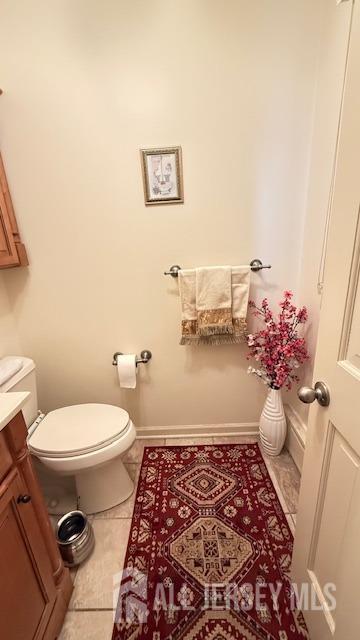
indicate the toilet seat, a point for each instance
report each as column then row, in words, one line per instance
column 78, row 430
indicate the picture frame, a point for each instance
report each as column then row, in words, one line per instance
column 162, row 175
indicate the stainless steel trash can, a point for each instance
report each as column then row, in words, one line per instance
column 75, row 537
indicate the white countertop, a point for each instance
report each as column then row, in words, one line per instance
column 10, row 405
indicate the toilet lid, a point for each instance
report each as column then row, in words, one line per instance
column 78, row 429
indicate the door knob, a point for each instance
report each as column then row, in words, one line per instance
column 320, row 393
column 24, row 499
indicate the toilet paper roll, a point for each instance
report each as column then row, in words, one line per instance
column 126, row 368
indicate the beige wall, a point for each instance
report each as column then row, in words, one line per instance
column 88, row 83
column 9, row 340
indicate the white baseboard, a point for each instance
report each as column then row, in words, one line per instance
column 296, row 436
column 208, row 430
column 295, row 441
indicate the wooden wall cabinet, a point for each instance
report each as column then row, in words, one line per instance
column 35, row 587
column 12, row 250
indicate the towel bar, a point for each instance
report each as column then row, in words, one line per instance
column 255, row 265
column 145, row 356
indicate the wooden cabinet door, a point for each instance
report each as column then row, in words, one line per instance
column 27, row 592
column 8, row 253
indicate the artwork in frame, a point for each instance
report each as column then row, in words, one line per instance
column 162, row 175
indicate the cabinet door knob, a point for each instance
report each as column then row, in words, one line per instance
column 24, row 499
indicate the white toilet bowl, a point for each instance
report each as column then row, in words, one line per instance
column 87, row 441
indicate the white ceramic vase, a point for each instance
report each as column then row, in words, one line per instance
column 273, row 423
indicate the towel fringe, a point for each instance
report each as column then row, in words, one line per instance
column 215, row 340
column 186, row 340
column 216, row 329
column 215, row 321
column 218, row 340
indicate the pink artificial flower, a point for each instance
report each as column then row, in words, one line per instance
column 278, row 347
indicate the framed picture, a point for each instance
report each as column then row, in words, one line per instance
column 162, row 175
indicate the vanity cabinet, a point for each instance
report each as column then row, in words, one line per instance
column 12, row 250
column 35, row 587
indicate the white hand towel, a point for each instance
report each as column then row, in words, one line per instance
column 240, row 287
column 213, row 301
column 190, row 303
column 187, row 287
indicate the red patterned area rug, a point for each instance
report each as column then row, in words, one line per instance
column 209, row 550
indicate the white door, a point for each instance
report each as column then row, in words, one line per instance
column 327, row 541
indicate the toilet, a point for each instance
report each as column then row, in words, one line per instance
column 85, row 441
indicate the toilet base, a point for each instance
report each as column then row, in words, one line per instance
column 103, row 487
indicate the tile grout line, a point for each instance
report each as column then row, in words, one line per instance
column 91, row 609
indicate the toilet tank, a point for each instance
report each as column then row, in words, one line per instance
column 24, row 380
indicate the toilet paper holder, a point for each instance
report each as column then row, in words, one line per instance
column 145, row 356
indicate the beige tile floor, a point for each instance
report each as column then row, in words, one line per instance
column 90, row 613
